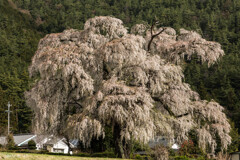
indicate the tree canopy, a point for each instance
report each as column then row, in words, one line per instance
column 103, row 76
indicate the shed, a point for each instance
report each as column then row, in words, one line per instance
column 163, row 141
column 235, row 155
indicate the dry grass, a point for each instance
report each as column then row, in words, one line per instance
column 29, row 156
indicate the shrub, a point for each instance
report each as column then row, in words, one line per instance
column 31, row 144
column 82, row 154
column 160, row 153
column 144, row 157
column 180, row 158
column 187, row 148
column 10, row 142
column 104, row 154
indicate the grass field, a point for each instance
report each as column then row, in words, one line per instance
column 30, row 156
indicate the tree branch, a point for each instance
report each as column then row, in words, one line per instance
column 169, row 110
column 154, row 35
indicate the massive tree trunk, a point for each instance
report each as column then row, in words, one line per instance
column 119, row 152
column 127, row 149
column 122, row 147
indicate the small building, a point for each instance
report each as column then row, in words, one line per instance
column 43, row 142
column 21, row 140
column 235, row 156
column 57, row 145
column 163, row 141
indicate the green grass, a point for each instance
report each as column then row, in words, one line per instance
column 30, row 156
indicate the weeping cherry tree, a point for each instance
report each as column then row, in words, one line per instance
column 104, row 76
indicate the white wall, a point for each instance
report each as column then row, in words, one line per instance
column 61, row 145
column 39, row 145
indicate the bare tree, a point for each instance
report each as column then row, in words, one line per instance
column 102, row 76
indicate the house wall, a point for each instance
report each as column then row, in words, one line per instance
column 235, row 157
column 49, row 149
column 61, row 145
column 39, row 145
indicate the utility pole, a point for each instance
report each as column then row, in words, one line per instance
column 8, row 111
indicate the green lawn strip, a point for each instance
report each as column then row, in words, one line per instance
column 30, row 156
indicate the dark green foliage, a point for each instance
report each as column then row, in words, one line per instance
column 220, row 82
column 10, row 142
column 104, row 154
column 142, row 157
column 193, row 136
column 235, row 139
column 82, row 154
column 32, row 144
column 18, row 42
column 100, row 144
column 17, row 150
column 181, row 158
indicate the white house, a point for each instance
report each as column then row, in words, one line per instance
column 43, row 142
column 55, row 144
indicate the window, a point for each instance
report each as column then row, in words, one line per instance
column 56, row 150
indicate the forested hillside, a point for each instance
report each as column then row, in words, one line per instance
column 18, row 42
column 217, row 20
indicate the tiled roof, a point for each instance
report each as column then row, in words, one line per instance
column 160, row 140
column 53, row 140
column 74, row 142
column 238, row 152
column 19, row 140
column 2, row 140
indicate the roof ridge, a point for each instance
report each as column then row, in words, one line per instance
column 24, row 134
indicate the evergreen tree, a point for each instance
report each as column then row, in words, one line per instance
column 31, row 144
column 10, row 142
